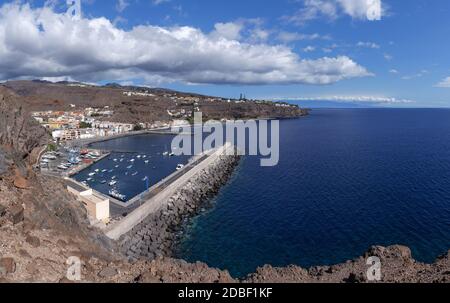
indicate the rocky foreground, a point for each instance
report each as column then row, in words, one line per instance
column 42, row 225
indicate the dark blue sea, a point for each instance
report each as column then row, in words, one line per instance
column 347, row 179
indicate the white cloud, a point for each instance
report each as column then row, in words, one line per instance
column 230, row 30
column 309, row 49
column 39, row 43
column 393, row 71
column 121, row 5
column 417, row 75
column 356, row 99
column 333, row 9
column 445, row 83
column 288, row 37
column 368, row 45
column 158, row 2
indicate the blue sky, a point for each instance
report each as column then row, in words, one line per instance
column 308, row 49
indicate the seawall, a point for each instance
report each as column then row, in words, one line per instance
column 157, row 234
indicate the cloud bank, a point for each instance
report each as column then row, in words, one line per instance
column 39, row 42
column 355, row 99
column 334, row 9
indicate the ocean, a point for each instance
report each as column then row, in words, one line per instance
column 347, row 179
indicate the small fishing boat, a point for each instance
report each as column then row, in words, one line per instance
column 117, row 166
column 97, row 170
column 130, row 166
column 112, row 183
column 89, row 179
column 165, row 153
column 146, row 161
column 145, row 179
column 113, row 178
column 91, row 174
column 180, row 166
column 110, row 171
column 115, row 194
column 103, row 182
column 132, row 160
column 134, row 174
column 104, row 170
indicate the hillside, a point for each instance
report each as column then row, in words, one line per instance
column 143, row 104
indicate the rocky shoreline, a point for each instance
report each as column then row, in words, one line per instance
column 159, row 234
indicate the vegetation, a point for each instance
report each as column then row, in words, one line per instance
column 52, row 147
column 137, row 127
column 85, row 125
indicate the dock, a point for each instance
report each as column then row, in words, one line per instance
column 158, row 196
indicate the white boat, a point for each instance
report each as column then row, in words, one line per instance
column 117, row 166
column 112, row 183
column 91, row 174
column 145, row 179
column 103, row 182
column 49, row 157
column 104, row 170
column 146, row 161
column 165, row 153
column 115, row 160
column 113, row 178
column 129, row 167
column 134, row 174
column 138, row 157
column 180, row 166
column 132, row 160
column 89, row 179
column 171, row 154
column 97, row 170
column 115, row 194
column 62, row 167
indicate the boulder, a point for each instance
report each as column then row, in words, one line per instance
column 108, row 272
column 20, row 182
column 7, row 265
column 2, row 210
column 17, row 214
column 33, row 241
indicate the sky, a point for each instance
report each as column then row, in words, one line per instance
column 390, row 53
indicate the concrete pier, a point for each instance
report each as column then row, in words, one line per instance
column 161, row 198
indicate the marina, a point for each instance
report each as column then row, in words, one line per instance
column 146, row 165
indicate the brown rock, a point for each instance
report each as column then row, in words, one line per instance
column 8, row 265
column 23, row 253
column 2, row 210
column 17, row 215
column 20, row 182
column 108, row 272
column 33, row 241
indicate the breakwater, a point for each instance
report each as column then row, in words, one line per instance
column 157, row 234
